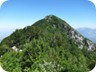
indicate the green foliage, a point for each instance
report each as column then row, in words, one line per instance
column 90, row 57
column 46, row 47
column 3, row 49
column 10, row 61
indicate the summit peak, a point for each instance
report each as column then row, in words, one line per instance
column 50, row 16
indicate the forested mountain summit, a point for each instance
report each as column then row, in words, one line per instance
column 50, row 45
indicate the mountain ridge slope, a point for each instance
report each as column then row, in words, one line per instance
column 50, row 44
column 88, row 33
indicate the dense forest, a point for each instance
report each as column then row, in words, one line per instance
column 47, row 46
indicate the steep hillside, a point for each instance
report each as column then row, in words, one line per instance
column 49, row 45
column 88, row 33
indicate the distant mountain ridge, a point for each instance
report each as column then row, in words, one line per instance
column 49, row 45
column 88, row 33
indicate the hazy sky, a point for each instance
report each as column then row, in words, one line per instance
column 16, row 14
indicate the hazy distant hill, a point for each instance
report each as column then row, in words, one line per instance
column 49, row 45
column 88, row 33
